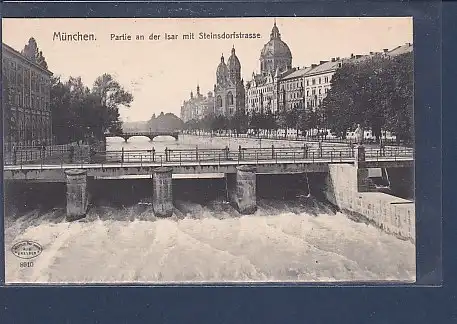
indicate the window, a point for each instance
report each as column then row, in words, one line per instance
column 314, row 81
column 307, row 92
column 319, row 91
column 230, row 98
column 307, row 82
column 320, row 80
column 219, row 101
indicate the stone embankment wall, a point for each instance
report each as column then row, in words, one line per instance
column 345, row 188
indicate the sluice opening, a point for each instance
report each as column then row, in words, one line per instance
column 28, row 196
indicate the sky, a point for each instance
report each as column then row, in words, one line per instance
column 161, row 73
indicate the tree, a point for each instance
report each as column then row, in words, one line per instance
column 239, row 121
column 63, row 117
column 307, row 119
column 79, row 113
column 269, row 122
column 255, row 121
column 112, row 96
column 376, row 93
column 399, row 111
column 288, row 118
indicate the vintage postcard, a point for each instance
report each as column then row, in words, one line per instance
column 222, row 150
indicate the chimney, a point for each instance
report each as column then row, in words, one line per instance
column 371, row 53
column 322, row 62
column 352, row 55
column 358, row 56
column 409, row 44
column 333, row 59
column 385, row 50
column 313, row 65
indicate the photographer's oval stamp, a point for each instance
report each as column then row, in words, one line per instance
column 26, row 249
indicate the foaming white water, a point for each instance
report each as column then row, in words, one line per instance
column 280, row 242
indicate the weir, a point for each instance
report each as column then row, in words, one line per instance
column 346, row 181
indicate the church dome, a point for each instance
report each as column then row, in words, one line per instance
column 275, row 47
column 233, row 62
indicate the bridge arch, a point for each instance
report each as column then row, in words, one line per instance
column 127, row 137
column 165, row 136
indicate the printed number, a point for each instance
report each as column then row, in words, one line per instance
column 26, row 264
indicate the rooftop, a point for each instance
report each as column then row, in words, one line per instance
column 297, row 73
column 18, row 54
column 333, row 64
column 402, row 49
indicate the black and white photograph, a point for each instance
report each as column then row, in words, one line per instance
column 208, row 150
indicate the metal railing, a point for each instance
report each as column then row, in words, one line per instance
column 45, row 154
column 217, row 156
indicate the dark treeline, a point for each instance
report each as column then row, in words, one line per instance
column 376, row 93
column 164, row 122
column 240, row 122
column 82, row 113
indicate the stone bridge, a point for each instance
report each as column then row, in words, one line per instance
column 149, row 135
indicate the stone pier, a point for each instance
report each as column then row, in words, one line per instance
column 162, row 199
column 77, row 194
column 363, row 182
column 244, row 197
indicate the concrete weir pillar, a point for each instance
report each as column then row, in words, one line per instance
column 162, row 199
column 245, row 198
column 77, row 194
column 359, row 154
column 363, row 182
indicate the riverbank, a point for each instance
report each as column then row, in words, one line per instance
column 207, row 141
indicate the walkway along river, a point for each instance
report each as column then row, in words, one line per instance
column 290, row 237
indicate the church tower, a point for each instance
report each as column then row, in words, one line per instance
column 229, row 90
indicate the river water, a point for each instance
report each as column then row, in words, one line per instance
column 289, row 238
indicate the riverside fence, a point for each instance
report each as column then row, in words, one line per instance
column 183, row 156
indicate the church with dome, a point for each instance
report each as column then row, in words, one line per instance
column 229, row 91
column 277, row 88
column 263, row 91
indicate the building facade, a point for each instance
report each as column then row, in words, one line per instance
column 292, row 90
column 26, row 97
column 307, row 87
column 196, row 107
column 229, row 91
